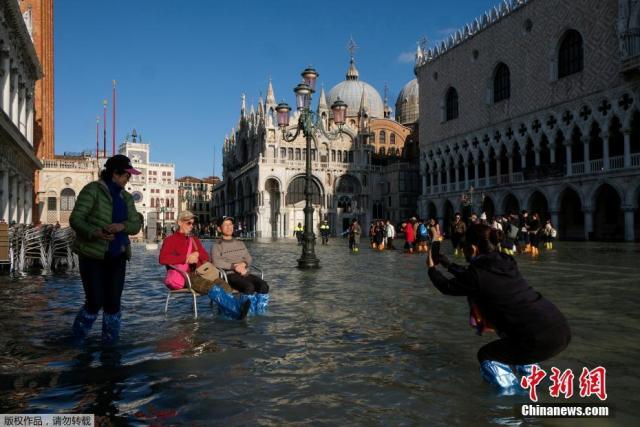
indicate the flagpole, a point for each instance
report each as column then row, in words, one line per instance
column 113, row 121
column 104, row 127
column 97, row 137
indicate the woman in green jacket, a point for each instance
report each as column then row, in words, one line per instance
column 103, row 217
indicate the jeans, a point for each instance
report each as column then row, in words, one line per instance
column 103, row 281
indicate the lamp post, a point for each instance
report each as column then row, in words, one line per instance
column 162, row 211
column 309, row 124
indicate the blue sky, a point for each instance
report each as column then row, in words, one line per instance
column 181, row 66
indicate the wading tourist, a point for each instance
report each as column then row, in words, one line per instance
column 354, row 235
column 530, row 327
column 103, row 217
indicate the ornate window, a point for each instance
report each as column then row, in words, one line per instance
column 451, row 104
column 52, row 204
column 501, row 83
column 392, row 138
column 383, row 137
column 67, row 199
column 570, row 54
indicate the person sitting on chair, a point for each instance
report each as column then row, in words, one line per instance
column 232, row 256
column 182, row 248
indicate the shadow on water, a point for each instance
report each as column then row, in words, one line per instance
column 364, row 339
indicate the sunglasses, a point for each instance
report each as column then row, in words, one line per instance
column 188, row 222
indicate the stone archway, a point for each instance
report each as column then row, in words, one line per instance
column 510, row 205
column 608, row 217
column 272, row 200
column 488, row 208
column 432, row 211
column 538, row 204
column 571, row 217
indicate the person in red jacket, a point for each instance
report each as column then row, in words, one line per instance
column 409, row 235
column 174, row 252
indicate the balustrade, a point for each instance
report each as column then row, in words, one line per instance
column 577, row 168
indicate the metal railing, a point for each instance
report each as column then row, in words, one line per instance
column 596, row 166
column 635, row 159
column 616, row 162
column 577, row 168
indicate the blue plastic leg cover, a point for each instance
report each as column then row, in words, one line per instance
column 259, row 303
column 525, row 370
column 498, row 373
column 111, row 324
column 82, row 324
column 228, row 305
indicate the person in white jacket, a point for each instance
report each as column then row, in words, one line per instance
column 390, row 234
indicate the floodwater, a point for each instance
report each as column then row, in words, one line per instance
column 365, row 340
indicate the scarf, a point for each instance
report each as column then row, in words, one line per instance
column 118, row 215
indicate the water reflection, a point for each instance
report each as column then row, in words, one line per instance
column 363, row 339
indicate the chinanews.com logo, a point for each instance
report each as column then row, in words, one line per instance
column 592, row 382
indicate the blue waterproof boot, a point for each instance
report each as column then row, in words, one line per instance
column 501, row 375
column 82, row 324
column 111, row 324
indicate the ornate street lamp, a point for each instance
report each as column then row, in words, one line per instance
column 310, row 125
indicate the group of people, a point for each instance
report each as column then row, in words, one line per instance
column 517, row 233
column 103, row 218
column 530, row 328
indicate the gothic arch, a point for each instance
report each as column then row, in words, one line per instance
column 590, row 196
column 274, row 178
column 538, row 201
column 557, row 200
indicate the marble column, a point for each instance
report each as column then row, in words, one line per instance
column 466, row 175
column 555, row 215
column 523, row 159
column 457, row 176
column 605, row 151
column 30, row 118
column 13, row 198
column 431, row 181
column 587, row 165
column 588, row 223
column 28, row 205
column 4, row 196
column 22, row 110
column 448, row 172
column 627, row 148
column 629, row 225
column 476, row 172
column 14, row 96
column 536, row 150
column 498, row 170
column 552, row 153
column 510, row 166
column 567, row 151
column 5, row 83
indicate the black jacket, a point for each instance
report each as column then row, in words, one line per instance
column 504, row 297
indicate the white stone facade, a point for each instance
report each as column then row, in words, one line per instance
column 19, row 70
column 563, row 139
column 264, row 175
column 155, row 191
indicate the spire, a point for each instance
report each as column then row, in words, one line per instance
column 271, row 98
column 322, row 104
column 363, row 100
column 243, row 105
column 352, row 73
column 260, row 106
column 387, row 109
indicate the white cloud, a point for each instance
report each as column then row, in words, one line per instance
column 406, row 57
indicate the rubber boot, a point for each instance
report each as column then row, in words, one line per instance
column 499, row 374
column 111, row 324
column 82, row 324
column 551, row 245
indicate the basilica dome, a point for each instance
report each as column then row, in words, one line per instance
column 351, row 92
column 407, row 104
